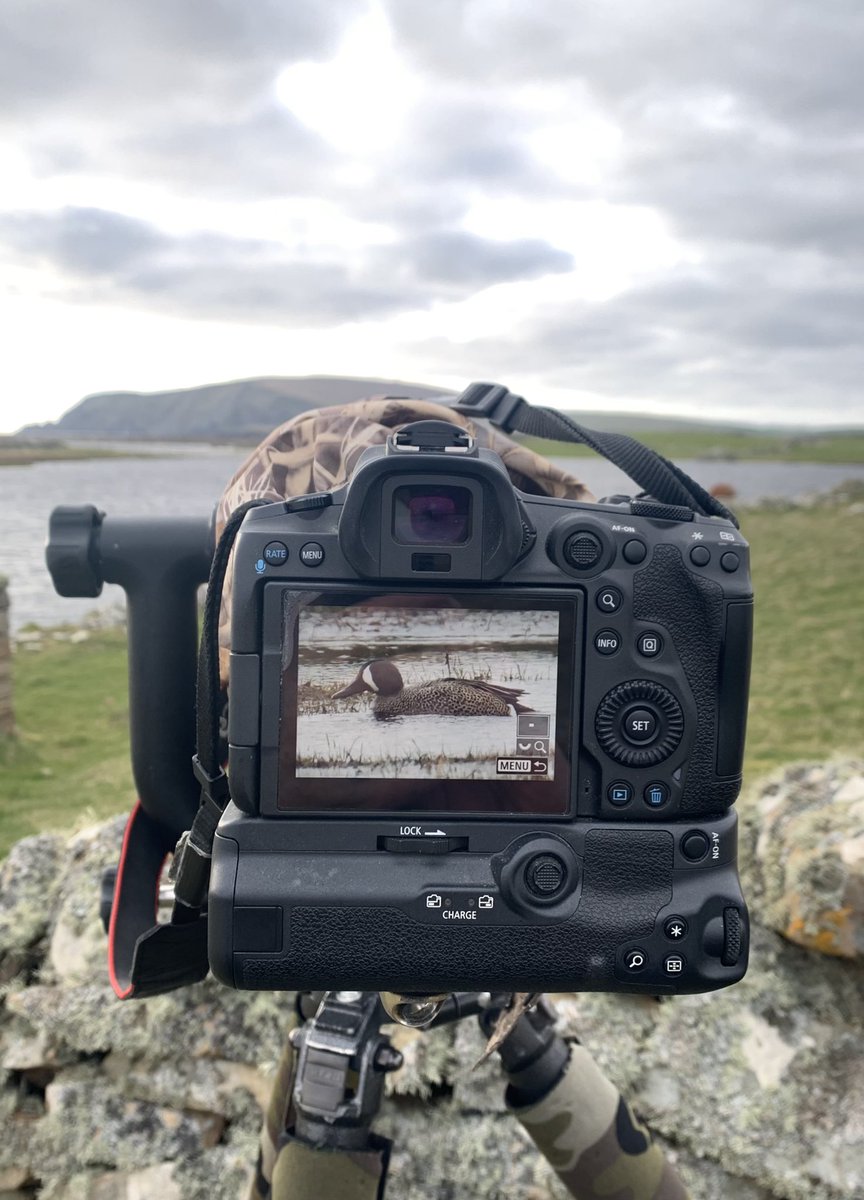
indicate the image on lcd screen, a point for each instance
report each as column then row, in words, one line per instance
column 436, row 693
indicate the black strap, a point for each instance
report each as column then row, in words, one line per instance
column 656, row 475
column 146, row 959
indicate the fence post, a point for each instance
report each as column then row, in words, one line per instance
column 7, row 717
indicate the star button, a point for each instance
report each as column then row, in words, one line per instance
column 675, row 928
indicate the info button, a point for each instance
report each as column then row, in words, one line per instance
column 607, row 641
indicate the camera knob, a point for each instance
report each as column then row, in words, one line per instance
column 583, row 550
column 72, row 553
column 545, row 875
column 639, row 723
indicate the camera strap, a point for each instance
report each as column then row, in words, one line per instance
column 659, row 478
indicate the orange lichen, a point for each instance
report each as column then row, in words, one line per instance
column 838, row 942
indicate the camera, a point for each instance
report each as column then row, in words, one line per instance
column 481, row 739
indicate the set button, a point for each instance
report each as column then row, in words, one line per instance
column 639, row 726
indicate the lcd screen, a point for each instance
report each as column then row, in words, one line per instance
column 426, row 702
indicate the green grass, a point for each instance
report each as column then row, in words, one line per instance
column 722, row 445
column 26, row 455
column 807, row 686
column 70, row 760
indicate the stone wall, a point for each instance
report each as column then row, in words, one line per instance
column 757, row 1092
column 7, row 718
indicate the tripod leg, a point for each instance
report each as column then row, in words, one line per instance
column 587, row 1131
column 278, row 1118
column 305, row 1172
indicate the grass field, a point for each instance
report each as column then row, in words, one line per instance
column 723, row 445
column 70, row 760
column 23, row 454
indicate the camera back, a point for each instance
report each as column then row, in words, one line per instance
column 481, row 739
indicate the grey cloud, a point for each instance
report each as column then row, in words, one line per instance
column 739, row 121
column 94, row 56
column 107, row 255
column 471, row 262
column 728, row 338
column 180, row 92
column 82, row 241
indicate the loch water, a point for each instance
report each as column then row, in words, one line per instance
column 188, row 480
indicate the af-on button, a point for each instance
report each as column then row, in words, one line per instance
column 694, row 845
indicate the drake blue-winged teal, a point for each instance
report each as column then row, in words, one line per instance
column 448, row 697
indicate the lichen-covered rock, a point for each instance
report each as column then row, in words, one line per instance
column 809, row 854
column 757, row 1092
column 28, row 885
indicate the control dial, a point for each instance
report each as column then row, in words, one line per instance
column 639, row 723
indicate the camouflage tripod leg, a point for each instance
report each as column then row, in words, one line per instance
column 292, row 1170
column 587, row 1131
column 583, row 1127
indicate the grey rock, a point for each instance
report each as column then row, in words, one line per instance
column 757, row 1092
column 90, row 1124
column 807, row 845
column 28, row 885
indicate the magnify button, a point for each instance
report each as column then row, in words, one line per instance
column 635, row 960
column 609, row 600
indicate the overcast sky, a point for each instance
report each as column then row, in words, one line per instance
column 633, row 204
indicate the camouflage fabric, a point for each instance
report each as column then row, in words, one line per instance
column 290, row 1170
column 318, row 451
column 278, row 1118
column 305, row 1173
column 589, row 1134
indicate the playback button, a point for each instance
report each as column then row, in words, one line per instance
column 619, row 793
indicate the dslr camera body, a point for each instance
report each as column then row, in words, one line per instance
column 480, row 739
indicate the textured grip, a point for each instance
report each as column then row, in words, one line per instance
column 690, row 607
column 731, row 937
column 627, row 880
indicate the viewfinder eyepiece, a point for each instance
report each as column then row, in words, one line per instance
column 429, row 514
